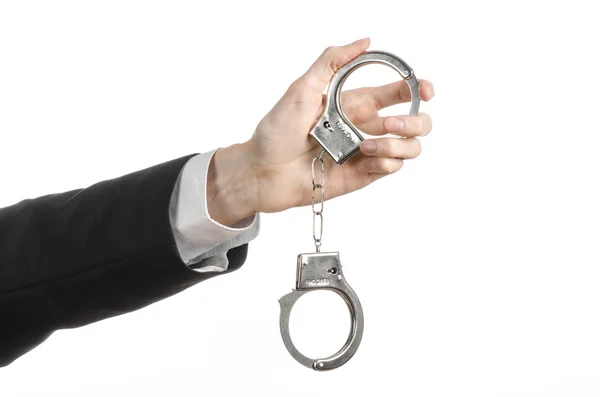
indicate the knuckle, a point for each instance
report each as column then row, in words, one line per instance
column 394, row 165
column 425, row 120
column 417, row 147
column 332, row 55
column 387, row 166
column 296, row 86
column 334, row 64
column 329, row 52
column 361, row 110
column 370, row 165
column 299, row 91
column 386, row 147
column 419, row 124
column 402, row 91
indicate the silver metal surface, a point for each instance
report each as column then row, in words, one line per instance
column 322, row 271
column 317, row 207
column 338, row 136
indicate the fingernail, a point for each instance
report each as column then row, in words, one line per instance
column 395, row 124
column 431, row 93
column 368, row 146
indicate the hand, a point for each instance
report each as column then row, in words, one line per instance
column 271, row 172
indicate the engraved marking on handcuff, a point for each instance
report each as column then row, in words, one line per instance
column 346, row 130
column 342, row 126
column 317, row 281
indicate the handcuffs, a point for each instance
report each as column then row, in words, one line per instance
column 323, row 270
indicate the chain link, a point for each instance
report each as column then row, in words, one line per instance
column 317, row 207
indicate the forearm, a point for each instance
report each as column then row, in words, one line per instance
column 73, row 258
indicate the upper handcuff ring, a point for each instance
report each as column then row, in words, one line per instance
column 338, row 136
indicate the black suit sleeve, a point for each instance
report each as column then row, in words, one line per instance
column 77, row 257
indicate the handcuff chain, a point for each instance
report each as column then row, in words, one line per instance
column 317, row 207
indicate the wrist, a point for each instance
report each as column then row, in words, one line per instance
column 232, row 185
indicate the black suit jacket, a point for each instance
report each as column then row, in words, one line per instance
column 73, row 258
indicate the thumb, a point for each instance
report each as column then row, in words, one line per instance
column 330, row 61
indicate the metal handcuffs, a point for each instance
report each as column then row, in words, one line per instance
column 323, row 270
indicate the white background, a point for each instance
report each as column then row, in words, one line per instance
column 477, row 265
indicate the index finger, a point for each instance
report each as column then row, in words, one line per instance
column 333, row 58
column 398, row 92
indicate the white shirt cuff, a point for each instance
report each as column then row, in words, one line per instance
column 201, row 241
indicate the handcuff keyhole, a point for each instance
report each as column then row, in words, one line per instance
column 333, row 270
column 327, row 125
